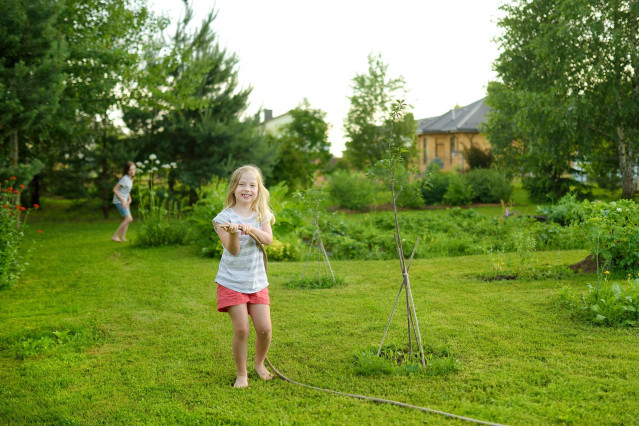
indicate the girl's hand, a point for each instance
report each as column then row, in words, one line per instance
column 246, row 229
column 231, row 228
column 125, row 205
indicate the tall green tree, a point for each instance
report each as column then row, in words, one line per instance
column 303, row 147
column 32, row 55
column 190, row 108
column 569, row 84
column 106, row 40
column 367, row 123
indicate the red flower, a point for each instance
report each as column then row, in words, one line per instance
column 39, row 231
column 9, row 189
column 5, row 206
column 22, row 208
column 37, row 206
column 21, row 186
column 13, row 178
column 15, row 191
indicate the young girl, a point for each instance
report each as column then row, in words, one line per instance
column 122, row 200
column 242, row 285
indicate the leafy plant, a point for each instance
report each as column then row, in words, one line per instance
column 13, row 260
column 489, row 185
column 459, row 191
column 612, row 234
column 158, row 209
column 609, row 303
column 351, row 190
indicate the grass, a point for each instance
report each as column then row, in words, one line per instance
column 99, row 332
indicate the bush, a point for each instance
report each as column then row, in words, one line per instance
column 459, row 192
column 545, row 190
column 434, row 192
column 12, row 259
column 567, row 211
column 607, row 303
column 351, row 190
column 612, row 232
column 489, row 185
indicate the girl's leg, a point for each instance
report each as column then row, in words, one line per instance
column 239, row 318
column 261, row 314
column 125, row 226
column 120, row 233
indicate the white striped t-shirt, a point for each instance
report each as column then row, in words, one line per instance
column 245, row 272
column 126, row 183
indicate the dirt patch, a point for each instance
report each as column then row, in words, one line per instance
column 586, row 266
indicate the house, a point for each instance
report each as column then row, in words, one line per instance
column 443, row 139
column 271, row 125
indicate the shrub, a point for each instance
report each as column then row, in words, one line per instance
column 351, row 190
column 210, row 202
column 477, row 158
column 459, row 192
column 544, row 189
column 12, row 258
column 489, row 185
column 567, row 211
column 436, row 189
column 281, row 251
column 612, row 233
column 607, row 303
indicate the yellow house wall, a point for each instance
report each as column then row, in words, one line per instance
column 442, row 145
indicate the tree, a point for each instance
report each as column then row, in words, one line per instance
column 303, row 147
column 31, row 78
column 569, row 84
column 367, row 123
column 106, row 40
column 190, row 108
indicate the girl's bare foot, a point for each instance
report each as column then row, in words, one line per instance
column 116, row 239
column 241, row 382
column 263, row 372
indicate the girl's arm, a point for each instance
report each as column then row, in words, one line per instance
column 230, row 237
column 117, row 194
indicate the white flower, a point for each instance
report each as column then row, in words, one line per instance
column 139, row 165
column 146, row 161
column 157, row 161
column 154, row 169
column 152, row 157
column 174, row 164
column 166, row 166
column 619, row 209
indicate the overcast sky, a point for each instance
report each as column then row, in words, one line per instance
column 289, row 50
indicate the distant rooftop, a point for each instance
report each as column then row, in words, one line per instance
column 464, row 119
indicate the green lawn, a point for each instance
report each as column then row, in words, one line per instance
column 139, row 341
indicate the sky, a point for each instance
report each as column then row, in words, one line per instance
column 289, row 50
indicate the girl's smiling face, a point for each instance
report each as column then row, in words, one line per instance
column 246, row 189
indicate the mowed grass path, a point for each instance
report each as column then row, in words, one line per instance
column 147, row 345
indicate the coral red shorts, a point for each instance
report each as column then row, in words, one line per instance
column 227, row 297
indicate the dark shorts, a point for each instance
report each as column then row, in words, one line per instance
column 227, row 297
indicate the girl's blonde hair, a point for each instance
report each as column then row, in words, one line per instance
column 260, row 204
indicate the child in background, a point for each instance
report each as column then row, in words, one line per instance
column 242, row 284
column 122, row 200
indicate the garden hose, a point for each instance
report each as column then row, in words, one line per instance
column 364, row 397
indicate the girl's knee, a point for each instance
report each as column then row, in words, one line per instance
column 241, row 331
column 263, row 330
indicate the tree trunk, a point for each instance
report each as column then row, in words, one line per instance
column 13, row 163
column 105, row 176
column 626, row 164
column 35, row 190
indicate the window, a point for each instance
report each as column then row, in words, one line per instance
column 452, row 148
column 425, row 151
